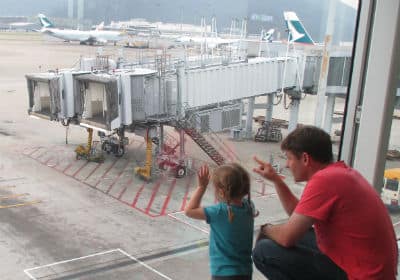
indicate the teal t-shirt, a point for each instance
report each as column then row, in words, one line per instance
column 230, row 243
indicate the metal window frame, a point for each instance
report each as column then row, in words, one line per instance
column 375, row 69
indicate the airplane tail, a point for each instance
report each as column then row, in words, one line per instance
column 100, row 26
column 297, row 32
column 44, row 21
column 268, row 35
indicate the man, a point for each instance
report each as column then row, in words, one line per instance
column 354, row 235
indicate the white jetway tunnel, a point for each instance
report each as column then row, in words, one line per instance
column 44, row 95
column 52, row 95
column 142, row 97
column 205, row 86
column 98, row 96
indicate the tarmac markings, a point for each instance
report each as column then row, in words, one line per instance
column 15, row 200
column 115, row 177
column 104, row 265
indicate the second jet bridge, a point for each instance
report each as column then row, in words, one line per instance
column 201, row 87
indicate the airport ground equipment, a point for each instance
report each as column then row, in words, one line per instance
column 175, row 164
column 113, row 143
column 268, row 132
column 172, row 160
column 145, row 171
column 125, row 99
column 90, row 151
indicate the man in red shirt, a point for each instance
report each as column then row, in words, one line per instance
column 354, row 237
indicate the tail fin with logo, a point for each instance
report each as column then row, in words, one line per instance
column 44, row 21
column 297, row 32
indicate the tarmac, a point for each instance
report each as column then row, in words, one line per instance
column 63, row 218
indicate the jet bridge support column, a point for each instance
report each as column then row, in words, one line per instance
column 181, row 143
column 161, row 143
column 330, row 105
column 294, row 110
column 249, row 119
column 180, row 86
column 270, row 107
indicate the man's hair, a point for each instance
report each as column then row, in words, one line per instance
column 311, row 140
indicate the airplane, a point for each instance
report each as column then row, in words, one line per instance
column 297, row 32
column 211, row 42
column 268, row 35
column 22, row 25
column 84, row 37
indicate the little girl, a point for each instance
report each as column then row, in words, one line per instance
column 231, row 220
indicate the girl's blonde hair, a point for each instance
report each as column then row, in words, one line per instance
column 234, row 181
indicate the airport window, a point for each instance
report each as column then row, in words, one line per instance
column 108, row 110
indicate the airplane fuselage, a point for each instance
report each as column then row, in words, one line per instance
column 91, row 36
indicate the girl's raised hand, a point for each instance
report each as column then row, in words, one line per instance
column 203, row 176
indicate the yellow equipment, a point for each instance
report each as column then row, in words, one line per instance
column 145, row 171
column 391, row 191
column 87, row 152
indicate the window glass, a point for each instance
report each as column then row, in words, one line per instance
column 109, row 108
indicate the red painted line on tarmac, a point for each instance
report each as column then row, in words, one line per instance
column 148, row 214
column 34, row 150
column 116, row 178
column 122, row 192
column 38, row 158
column 80, row 168
column 153, row 195
column 53, row 166
column 108, row 170
column 137, row 195
column 124, row 188
column 91, row 172
column 188, row 183
column 68, row 166
column 171, row 188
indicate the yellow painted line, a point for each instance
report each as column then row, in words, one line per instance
column 3, row 197
column 20, row 204
column 7, row 186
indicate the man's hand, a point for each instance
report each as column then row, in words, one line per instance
column 266, row 170
column 203, row 176
column 261, row 234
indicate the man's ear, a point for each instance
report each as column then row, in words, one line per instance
column 306, row 159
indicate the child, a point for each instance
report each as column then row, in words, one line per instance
column 231, row 221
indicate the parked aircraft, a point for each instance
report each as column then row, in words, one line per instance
column 84, row 37
column 268, row 35
column 211, row 42
column 297, row 32
column 22, row 25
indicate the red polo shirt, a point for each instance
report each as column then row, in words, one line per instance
column 352, row 225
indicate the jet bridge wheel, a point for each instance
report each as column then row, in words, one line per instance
column 180, row 171
column 120, row 151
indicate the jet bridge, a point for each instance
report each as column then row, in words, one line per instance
column 212, row 85
column 52, row 95
column 99, row 101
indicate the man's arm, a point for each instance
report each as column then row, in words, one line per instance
column 289, row 233
column 287, row 198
